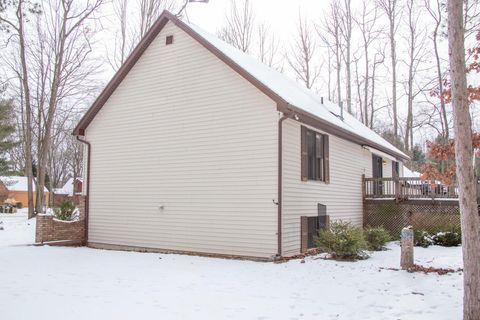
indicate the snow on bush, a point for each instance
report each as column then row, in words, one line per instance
column 343, row 240
column 66, row 211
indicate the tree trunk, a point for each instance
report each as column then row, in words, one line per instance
column 470, row 220
column 365, row 90
column 339, row 68
column 394, row 75
column 28, row 115
column 440, row 86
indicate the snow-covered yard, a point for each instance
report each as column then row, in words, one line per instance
column 82, row 283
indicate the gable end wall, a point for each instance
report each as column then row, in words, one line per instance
column 184, row 157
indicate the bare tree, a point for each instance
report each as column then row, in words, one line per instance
column 150, row 10
column 346, row 23
column 391, row 10
column 267, row 46
column 330, row 70
column 122, row 44
column 133, row 20
column 329, row 32
column 359, row 83
column 416, row 57
column 367, row 25
column 240, row 25
column 435, row 12
column 470, row 220
column 17, row 25
column 61, row 60
column 302, row 55
column 471, row 19
column 379, row 59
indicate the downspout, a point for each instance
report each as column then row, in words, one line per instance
column 280, row 186
column 87, row 193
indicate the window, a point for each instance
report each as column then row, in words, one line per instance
column 169, row 40
column 315, row 159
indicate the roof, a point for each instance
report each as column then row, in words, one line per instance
column 17, row 183
column 67, row 187
column 290, row 96
column 410, row 174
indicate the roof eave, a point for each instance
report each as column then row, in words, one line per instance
column 328, row 127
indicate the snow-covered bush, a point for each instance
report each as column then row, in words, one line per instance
column 449, row 238
column 376, row 237
column 342, row 240
column 422, row 238
column 65, row 211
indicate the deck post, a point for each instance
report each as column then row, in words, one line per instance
column 396, row 182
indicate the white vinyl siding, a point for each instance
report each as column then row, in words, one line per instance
column 186, row 132
column 342, row 196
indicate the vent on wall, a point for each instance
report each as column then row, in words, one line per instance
column 169, row 40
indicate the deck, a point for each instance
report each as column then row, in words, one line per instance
column 406, row 188
column 394, row 203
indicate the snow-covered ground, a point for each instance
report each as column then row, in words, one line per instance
column 82, row 283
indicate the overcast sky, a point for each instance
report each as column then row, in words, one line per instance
column 281, row 16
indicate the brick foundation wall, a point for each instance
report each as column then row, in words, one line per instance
column 50, row 229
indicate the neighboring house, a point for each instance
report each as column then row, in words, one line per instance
column 71, row 187
column 18, row 189
column 194, row 146
column 407, row 173
column 71, row 191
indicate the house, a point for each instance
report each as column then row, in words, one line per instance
column 194, row 146
column 71, row 191
column 410, row 173
column 17, row 187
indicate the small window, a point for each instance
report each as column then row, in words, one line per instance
column 169, row 40
column 309, row 227
column 314, row 155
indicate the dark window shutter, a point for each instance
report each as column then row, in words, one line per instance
column 304, row 155
column 395, row 169
column 326, row 158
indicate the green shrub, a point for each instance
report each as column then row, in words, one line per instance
column 65, row 211
column 447, row 236
column 421, row 238
column 450, row 237
column 19, row 205
column 342, row 240
column 376, row 237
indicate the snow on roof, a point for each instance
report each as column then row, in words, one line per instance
column 410, row 174
column 295, row 94
column 17, row 183
column 67, row 187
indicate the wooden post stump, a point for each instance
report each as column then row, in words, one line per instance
column 406, row 242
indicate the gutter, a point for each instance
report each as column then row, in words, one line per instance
column 280, row 184
column 330, row 128
column 87, row 193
